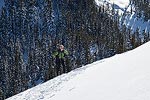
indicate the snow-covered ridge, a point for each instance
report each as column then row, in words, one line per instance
column 120, row 3
column 122, row 77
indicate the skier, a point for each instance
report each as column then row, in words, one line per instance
column 60, row 56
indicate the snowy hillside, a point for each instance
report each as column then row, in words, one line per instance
column 122, row 77
column 130, row 20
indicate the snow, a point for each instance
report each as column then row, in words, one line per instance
column 121, row 3
column 122, row 77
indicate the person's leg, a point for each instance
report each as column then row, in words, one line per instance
column 63, row 65
column 68, row 68
column 58, row 64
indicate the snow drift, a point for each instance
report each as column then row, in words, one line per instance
column 122, row 77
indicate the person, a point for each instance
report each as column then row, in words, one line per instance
column 60, row 56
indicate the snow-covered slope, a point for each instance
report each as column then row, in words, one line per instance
column 122, row 77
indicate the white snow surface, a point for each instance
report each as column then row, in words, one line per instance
column 122, row 77
column 120, row 3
